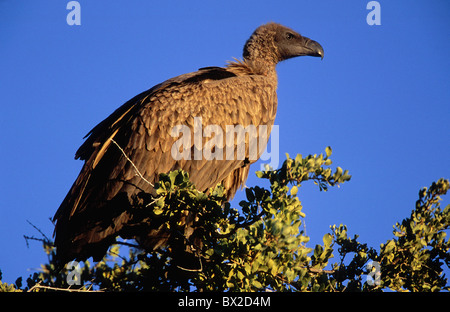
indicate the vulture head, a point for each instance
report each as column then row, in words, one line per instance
column 274, row 43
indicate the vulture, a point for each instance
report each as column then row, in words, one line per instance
column 125, row 153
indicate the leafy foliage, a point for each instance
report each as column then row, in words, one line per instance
column 262, row 244
column 412, row 260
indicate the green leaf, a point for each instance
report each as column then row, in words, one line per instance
column 328, row 151
column 294, row 190
column 389, row 246
column 337, row 174
column 250, row 195
column 256, row 284
column 327, row 240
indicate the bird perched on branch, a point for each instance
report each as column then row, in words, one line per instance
column 125, row 153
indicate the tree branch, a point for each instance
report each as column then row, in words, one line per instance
column 38, row 286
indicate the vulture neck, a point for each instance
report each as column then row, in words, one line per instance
column 253, row 67
column 261, row 54
column 262, row 67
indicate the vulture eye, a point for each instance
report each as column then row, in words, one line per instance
column 289, row 36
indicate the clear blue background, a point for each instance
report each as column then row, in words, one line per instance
column 380, row 98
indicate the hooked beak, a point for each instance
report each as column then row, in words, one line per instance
column 313, row 48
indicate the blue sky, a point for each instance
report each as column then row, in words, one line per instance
column 380, row 98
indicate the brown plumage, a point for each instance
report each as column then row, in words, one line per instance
column 125, row 153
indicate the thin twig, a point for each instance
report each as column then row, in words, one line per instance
column 239, row 226
column 154, row 201
column 134, row 166
column 39, row 230
column 37, row 286
column 315, row 271
column 42, row 240
column 193, row 270
column 128, row 244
